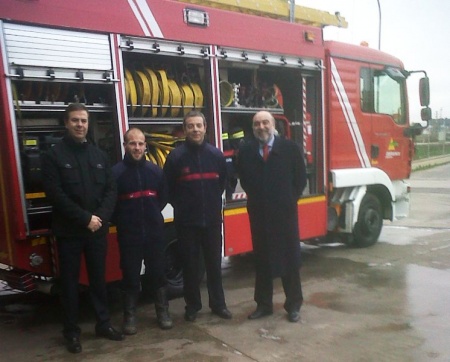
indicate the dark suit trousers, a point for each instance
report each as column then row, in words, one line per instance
column 70, row 251
column 264, row 287
column 192, row 241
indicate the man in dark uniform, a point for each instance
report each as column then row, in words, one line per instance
column 196, row 175
column 142, row 194
column 79, row 184
column 272, row 173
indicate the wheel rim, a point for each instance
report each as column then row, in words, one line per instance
column 372, row 223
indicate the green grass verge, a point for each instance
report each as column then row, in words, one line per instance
column 431, row 150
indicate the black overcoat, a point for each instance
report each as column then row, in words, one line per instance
column 273, row 188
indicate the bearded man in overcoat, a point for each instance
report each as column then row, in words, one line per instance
column 273, row 174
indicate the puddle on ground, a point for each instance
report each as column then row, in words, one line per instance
column 409, row 236
column 419, row 294
column 428, row 296
column 392, row 327
column 324, row 300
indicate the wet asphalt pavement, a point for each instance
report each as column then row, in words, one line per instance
column 385, row 303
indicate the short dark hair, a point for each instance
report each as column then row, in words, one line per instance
column 74, row 107
column 194, row 113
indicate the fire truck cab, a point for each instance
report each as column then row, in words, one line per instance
column 146, row 63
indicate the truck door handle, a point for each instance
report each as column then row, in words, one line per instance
column 374, row 151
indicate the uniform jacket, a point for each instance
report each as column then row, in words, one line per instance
column 196, row 175
column 141, row 196
column 78, row 182
column 273, row 189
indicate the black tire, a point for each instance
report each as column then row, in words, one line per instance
column 370, row 222
column 174, row 270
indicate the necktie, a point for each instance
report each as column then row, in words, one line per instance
column 265, row 151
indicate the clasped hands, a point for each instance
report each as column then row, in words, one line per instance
column 95, row 223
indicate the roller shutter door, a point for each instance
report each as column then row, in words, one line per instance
column 31, row 48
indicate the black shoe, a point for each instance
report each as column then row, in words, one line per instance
column 293, row 316
column 73, row 345
column 190, row 316
column 110, row 333
column 259, row 313
column 222, row 313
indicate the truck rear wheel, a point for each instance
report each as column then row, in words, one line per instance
column 370, row 222
column 174, row 270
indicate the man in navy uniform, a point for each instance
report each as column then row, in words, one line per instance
column 142, row 194
column 196, row 175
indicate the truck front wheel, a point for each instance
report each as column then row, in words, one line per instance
column 370, row 221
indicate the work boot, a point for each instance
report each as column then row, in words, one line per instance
column 162, row 309
column 129, row 313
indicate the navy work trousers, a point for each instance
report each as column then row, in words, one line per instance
column 132, row 254
column 192, row 240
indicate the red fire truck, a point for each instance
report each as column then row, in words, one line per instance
column 145, row 63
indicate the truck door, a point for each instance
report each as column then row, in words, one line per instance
column 293, row 96
column 382, row 92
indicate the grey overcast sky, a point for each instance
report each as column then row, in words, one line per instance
column 415, row 31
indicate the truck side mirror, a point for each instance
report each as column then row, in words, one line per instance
column 425, row 114
column 414, row 130
column 424, row 91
